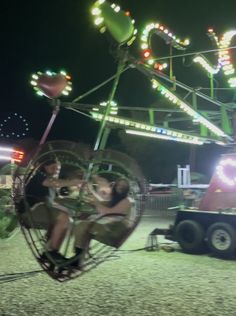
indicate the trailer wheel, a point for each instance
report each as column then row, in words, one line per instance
column 221, row 239
column 190, row 236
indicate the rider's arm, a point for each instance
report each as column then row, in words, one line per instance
column 102, row 190
column 58, row 183
column 121, row 207
column 100, row 181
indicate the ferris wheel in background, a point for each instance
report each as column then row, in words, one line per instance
column 13, row 126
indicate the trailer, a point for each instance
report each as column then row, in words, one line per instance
column 199, row 231
column 212, row 226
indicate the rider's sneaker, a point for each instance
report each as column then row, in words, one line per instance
column 74, row 262
column 55, row 255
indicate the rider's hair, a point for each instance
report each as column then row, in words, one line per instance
column 116, row 196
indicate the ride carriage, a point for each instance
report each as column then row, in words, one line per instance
column 78, row 160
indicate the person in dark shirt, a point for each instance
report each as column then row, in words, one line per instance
column 42, row 211
column 35, row 190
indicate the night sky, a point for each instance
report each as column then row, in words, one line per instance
column 55, row 35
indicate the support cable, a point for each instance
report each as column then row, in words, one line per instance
column 99, row 86
column 195, row 53
column 5, row 278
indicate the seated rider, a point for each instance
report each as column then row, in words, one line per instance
column 112, row 226
column 44, row 212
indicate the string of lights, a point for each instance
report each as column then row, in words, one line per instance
column 13, row 126
column 164, row 133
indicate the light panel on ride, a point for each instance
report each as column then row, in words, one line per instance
column 10, row 154
column 159, row 132
column 188, row 109
column 51, row 84
column 166, row 35
column 109, row 17
column 102, row 108
column 172, row 136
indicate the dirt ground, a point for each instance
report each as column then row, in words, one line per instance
column 136, row 283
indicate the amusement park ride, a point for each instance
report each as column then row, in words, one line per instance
column 214, row 222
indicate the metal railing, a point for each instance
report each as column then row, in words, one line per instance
column 163, row 203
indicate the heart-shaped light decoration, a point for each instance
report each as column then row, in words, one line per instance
column 50, row 84
column 224, row 166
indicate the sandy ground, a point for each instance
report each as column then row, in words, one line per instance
column 136, row 283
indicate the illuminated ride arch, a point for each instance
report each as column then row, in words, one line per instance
column 78, row 160
column 224, row 58
column 163, row 32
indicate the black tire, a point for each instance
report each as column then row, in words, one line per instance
column 190, row 236
column 221, row 239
